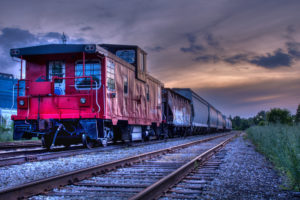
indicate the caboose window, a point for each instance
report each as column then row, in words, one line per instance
column 142, row 62
column 56, row 68
column 127, row 55
column 147, row 93
column 93, row 69
column 110, row 75
column 125, row 85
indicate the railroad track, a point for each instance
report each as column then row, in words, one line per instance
column 18, row 145
column 139, row 177
column 39, row 154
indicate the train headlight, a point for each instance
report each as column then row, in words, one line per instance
column 83, row 100
column 21, row 102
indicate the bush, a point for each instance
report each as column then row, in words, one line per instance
column 281, row 144
column 277, row 115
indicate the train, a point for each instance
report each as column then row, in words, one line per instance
column 99, row 93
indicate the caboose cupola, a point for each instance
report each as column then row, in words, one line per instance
column 131, row 54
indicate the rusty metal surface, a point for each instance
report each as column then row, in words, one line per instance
column 135, row 106
column 43, row 185
column 180, row 108
column 157, row 189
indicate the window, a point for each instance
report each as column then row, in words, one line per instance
column 93, row 69
column 159, row 95
column 142, row 62
column 110, row 76
column 127, row 55
column 147, row 92
column 125, row 81
column 56, row 68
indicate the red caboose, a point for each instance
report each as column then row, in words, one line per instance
column 90, row 93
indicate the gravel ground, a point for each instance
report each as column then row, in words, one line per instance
column 27, row 172
column 245, row 174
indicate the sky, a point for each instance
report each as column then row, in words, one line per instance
column 242, row 56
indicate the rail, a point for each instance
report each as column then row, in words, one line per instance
column 40, row 186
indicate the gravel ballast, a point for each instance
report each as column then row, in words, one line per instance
column 19, row 174
column 245, row 174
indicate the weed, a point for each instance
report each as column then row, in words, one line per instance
column 281, row 144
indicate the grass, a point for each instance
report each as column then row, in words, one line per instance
column 280, row 144
column 6, row 135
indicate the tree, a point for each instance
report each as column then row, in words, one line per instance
column 260, row 118
column 277, row 115
column 297, row 116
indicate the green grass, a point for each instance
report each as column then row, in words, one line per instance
column 6, row 135
column 280, row 144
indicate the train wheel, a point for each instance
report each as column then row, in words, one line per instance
column 87, row 142
column 47, row 141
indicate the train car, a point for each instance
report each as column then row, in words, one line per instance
column 228, row 124
column 176, row 113
column 86, row 93
column 224, row 122
column 220, row 121
column 213, row 118
column 200, row 110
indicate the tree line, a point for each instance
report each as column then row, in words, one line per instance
column 275, row 115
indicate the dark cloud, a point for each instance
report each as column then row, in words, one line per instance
column 13, row 37
column 86, row 28
column 155, row 49
column 194, row 47
column 16, row 38
column 207, row 58
column 53, row 35
column 275, row 60
column 238, row 58
column 252, row 97
column 293, row 49
column 211, row 40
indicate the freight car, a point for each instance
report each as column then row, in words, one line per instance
column 94, row 94
column 176, row 114
column 204, row 118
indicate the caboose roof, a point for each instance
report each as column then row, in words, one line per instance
column 55, row 49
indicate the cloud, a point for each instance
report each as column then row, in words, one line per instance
column 155, row 49
column 275, row 60
column 293, row 49
column 207, row 58
column 238, row 58
column 193, row 48
column 12, row 37
column 16, row 38
column 86, row 28
column 254, row 96
column 211, row 40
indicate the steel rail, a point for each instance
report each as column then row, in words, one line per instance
column 19, row 157
column 43, row 185
column 19, row 145
column 157, row 189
